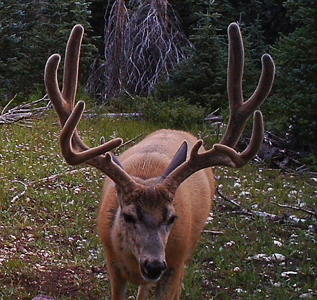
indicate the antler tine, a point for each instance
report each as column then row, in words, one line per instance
column 53, row 91
column 66, row 138
column 93, row 156
column 64, row 101
column 240, row 110
column 235, row 66
column 71, row 64
column 236, row 160
column 265, row 84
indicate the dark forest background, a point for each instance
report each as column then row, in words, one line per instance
column 30, row 31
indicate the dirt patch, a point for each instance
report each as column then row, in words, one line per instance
column 57, row 282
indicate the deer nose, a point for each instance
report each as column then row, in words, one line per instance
column 152, row 270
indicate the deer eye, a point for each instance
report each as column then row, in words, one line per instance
column 129, row 218
column 172, row 220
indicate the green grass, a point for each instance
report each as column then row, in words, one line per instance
column 49, row 244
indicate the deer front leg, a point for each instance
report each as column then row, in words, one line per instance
column 144, row 291
column 170, row 285
column 118, row 283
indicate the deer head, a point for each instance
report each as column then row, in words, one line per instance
column 146, row 224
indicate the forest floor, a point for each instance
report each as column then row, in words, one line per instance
column 259, row 243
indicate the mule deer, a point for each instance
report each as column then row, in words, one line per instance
column 158, row 193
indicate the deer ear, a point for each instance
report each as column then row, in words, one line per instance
column 178, row 159
column 116, row 160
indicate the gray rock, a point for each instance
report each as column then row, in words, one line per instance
column 43, row 297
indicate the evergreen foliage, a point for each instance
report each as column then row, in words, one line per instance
column 294, row 102
column 201, row 79
column 30, row 31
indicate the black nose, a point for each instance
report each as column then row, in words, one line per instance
column 152, row 270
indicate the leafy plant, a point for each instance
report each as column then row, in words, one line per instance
column 177, row 113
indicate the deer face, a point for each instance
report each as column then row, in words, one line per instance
column 146, row 217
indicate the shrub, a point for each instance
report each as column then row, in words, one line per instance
column 176, row 113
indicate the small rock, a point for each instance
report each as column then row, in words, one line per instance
column 236, row 270
column 276, row 257
column 43, row 297
column 277, row 243
column 306, row 295
column 288, row 273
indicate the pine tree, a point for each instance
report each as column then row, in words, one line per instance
column 202, row 78
column 29, row 33
column 295, row 96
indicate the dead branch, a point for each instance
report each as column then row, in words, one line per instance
column 15, row 198
column 43, row 297
column 275, row 218
column 8, row 104
column 114, row 49
column 155, row 45
column 115, row 115
column 128, row 142
column 55, row 176
column 50, row 178
column 275, row 152
column 309, row 212
column 214, row 232
column 142, row 41
column 233, row 202
column 25, row 111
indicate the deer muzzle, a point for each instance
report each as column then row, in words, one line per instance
column 152, row 270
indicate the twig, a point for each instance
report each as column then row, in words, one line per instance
column 129, row 142
column 23, row 111
column 49, row 178
column 45, row 179
column 291, row 219
column 214, row 232
column 310, row 212
column 55, row 176
column 227, row 199
column 5, row 108
column 15, row 198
